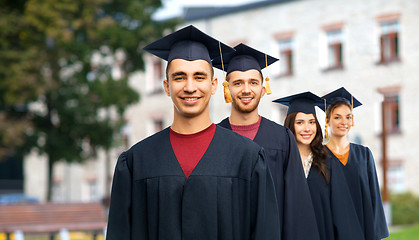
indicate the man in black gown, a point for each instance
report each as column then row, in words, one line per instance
column 244, row 82
column 193, row 180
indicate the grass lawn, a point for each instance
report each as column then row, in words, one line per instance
column 408, row 233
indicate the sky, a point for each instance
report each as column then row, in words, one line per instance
column 172, row 8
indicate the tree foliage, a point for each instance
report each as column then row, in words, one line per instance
column 64, row 72
column 20, row 80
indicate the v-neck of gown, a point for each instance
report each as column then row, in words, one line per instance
column 196, row 163
column 343, row 158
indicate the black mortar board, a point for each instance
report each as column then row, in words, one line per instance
column 340, row 94
column 301, row 102
column 243, row 59
column 188, row 43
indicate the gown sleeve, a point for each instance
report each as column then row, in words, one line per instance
column 380, row 224
column 119, row 220
column 299, row 217
column 264, row 204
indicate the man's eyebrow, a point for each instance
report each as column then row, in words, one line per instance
column 200, row 73
column 238, row 80
column 178, row 74
column 247, row 79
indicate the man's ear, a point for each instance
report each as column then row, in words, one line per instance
column 263, row 91
column 214, row 85
column 166, row 87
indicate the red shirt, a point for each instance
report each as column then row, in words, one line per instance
column 248, row 131
column 189, row 148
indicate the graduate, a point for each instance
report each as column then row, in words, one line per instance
column 244, row 88
column 334, row 218
column 192, row 180
column 357, row 164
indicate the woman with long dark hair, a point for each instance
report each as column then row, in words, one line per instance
column 357, row 164
column 301, row 120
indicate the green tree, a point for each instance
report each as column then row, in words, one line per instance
column 73, row 103
column 20, row 81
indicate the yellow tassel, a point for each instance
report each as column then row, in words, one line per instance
column 353, row 120
column 268, row 86
column 326, row 131
column 227, row 94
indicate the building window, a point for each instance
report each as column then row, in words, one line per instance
column 93, row 190
column 334, row 49
column 395, row 177
column 157, row 76
column 392, row 110
column 158, row 69
column 286, row 56
column 154, row 73
column 389, row 42
column 57, row 191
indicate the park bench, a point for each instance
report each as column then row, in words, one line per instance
column 52, row 218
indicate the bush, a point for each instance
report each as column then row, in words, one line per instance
column 405, row 208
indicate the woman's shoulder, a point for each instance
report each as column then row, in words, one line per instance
column 359, row 147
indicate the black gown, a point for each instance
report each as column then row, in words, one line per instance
column 229, row 194
column 296, row 211
column 361, row 184
column 335, row 216
column 321, row 197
